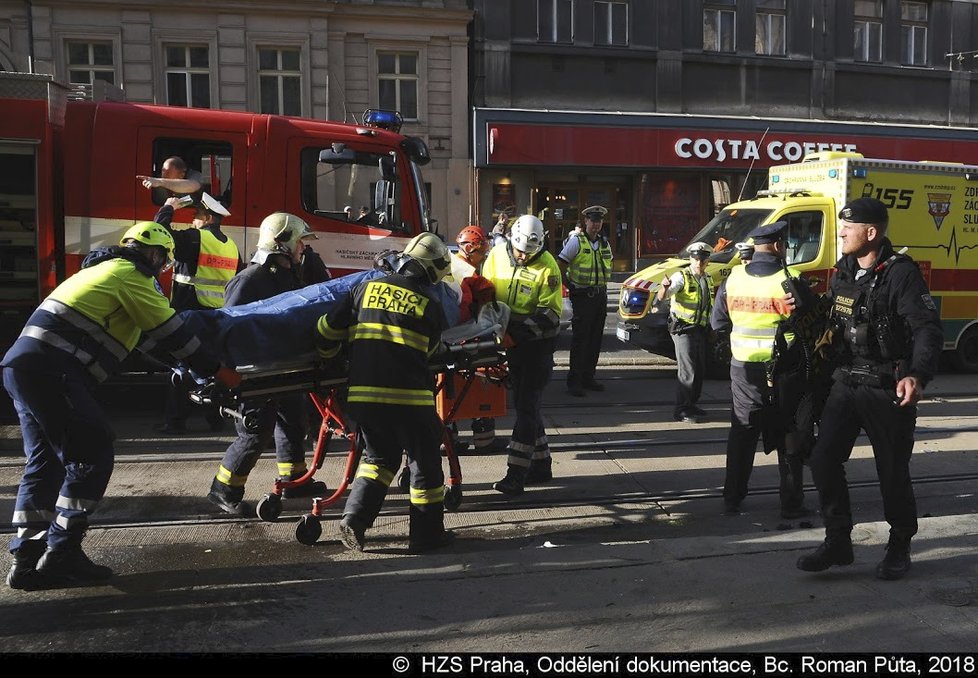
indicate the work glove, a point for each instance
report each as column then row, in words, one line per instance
column 228, row 377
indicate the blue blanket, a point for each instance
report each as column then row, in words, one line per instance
column 283, row 328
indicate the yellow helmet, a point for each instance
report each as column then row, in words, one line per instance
column 281, row 232
column 431, row 253
column 152, row 234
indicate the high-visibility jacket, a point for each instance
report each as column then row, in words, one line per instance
column 531, row 290
column 688, row 304
column 95, row 318
column 756, row 308
column 591, row 267
column 392, row 325
column 216, row 264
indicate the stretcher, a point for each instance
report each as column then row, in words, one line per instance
column 472, row 358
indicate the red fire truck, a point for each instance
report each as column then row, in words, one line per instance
column 68, row 181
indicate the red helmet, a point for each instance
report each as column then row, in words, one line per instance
column 472, row 239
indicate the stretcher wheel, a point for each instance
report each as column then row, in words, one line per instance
column 251, row 422
column 453, row 497
column 308, row 529
column 269, row 508
column 404, row 480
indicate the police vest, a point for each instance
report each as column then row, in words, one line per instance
column 756, row 308
column 216, row 265
column 687, row 304
column 591, row 267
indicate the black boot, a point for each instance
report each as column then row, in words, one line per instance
column 68, row 565
column 352, row 533
column 227, row 498
column 427, row 530
column 310, row 488
column 832, row 551
column 512, row 484
column 896, row 562
column 23, row 575
column 541, row 471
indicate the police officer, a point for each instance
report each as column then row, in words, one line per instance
column 889, row 348
column 746, row 251
column 585, row 262
column 750, row 303
column 205, row 261
column 274, row 269
column 691, row 290
column 77, row 338
column 527, row 279
column 393, row 325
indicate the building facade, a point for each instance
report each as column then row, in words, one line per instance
column 318, row 59
column 666, row 110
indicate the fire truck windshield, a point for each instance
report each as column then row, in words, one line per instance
column 340, row 182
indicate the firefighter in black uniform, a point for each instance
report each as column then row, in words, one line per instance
column 393, row 326
column 273, row 270
column 205, row 260
column 889, row 340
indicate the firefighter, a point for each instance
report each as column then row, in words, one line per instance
column 750, row 302
column 77, row 338
column 274, row 269
column 889, row 340
column 691, row 289
column 175, row 177
column 585, row 262
column 391, row 327
column 205, row 261
column 527, row 278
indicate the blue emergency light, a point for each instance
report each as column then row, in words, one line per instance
column 775, row 179
column 833, row 173
column 381, row 119
column 859, row 173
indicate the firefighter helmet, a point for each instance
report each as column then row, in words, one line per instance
column 474, row 236
column 527, row 234
column 281, row 232
column 428, row 250
column 151, row 234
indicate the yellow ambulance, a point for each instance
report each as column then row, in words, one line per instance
column 933, row 210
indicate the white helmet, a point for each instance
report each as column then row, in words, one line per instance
column 281, row 232
column 428, row 250
column 698, row 248
column 527, row 234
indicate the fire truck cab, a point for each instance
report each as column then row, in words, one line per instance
column 68, row 180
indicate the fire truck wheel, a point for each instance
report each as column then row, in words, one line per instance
column 453, row 497
column 269, row 508
column 308, row 529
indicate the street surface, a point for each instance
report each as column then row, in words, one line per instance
column 626, row 550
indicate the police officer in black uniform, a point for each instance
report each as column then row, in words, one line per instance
column 888, row 334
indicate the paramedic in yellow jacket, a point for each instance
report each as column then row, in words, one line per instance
column 527, row 279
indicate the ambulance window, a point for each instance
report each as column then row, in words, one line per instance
column 208, row 161
column 804, row 236
column 338, row 176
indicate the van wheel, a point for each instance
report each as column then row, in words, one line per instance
column 966, row 355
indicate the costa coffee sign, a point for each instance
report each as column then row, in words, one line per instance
column 723, row 149
column 545, row 145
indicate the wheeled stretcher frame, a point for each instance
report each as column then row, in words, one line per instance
column 480, row 358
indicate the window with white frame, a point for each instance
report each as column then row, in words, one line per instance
column 719, row 26
column 610, row 23
column 868, row 30
column 555, row 20
column 397, row 82
column 913, row 33
column 769, row 23
column 279, row 81
column 188, row 75
column 90, row 61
